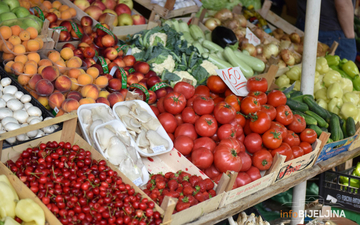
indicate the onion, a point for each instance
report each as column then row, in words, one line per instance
column 232, row 24
column 298, row 48
column 285, row 37
column 262, row 58
column 259, row 49
column 278, row 31
column 223, row 14
column 250, row 48
column 281, row 64
column 241, row 18
column 270, row 49
column 211, row 23
column 287, row 56
column 297, row 57
column 240, row 33
column 284, row 45
column 259, row 33
column 277, row 36
column 295, row 38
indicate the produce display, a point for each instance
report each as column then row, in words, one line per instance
column 54, row 10
column 345, row 181
column 15, row 211
column 178, row 4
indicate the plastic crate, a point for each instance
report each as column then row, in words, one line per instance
column 334, row 193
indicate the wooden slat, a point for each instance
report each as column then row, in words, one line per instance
column 281, row 186
column 283, row 24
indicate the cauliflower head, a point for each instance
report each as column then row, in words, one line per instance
column 209, row 66
column 158, row 38
column 135, row 50
column 184, row 75
column 169, row 64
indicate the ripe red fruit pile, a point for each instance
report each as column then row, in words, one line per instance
column 219, row 131
column 189, row 189
column 80, row 190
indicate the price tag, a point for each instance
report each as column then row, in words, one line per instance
column 159, row 148
column 55, row 111
column 138, row 181
column 234, row 79
column 252, row 37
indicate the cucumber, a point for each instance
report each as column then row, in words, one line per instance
column 212, row 46
column 298, row 98
column 308, row 119
column 236, row 62
column 321, row 121
column 343, row 127
column 313, row 106
column 295, row 93
column 324, row 129
column 221, row 64
column 255, row 63
column 329, row 141
column 350, row 127
column 335, row 128
column 295, row 105
column 196, row 32
column 316, row 129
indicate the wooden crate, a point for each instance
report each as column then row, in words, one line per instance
column 167, row 11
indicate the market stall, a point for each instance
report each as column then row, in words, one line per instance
column 111, row 117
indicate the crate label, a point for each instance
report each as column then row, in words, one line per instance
column 234, row 79
column 131, row 70
column 252, row 37
column 39, row 11
column 101, row 27
column 159, row 148
column 61, row 28
column 76, row 29
column 104, row 64
column 138, row 181
column 159, row 86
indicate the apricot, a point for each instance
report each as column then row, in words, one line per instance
column 101, row 81
column 30, row 69
column 8, row 66
column 32, row 62
column 24, row 35
column 44, row 101
column 54, row 56
column 21, row 58
column 93, row 71
column 72, row 11
column 70, row 105
column 56, row 4
column 15, row 40
column 63, row 8
column 6, row 32
column 56, row 99
column 45, row 62
column 86, row 101
column 17, row 68
column 90, row 90
column 32, row 46
column 23, row 79
column 63, row 83
column 19, row 49
column 34, row 56
column 84, row 79
column 73, row 63
column 41, row 42
column 7, row 47
column 16, row 29
column 61, row 65
column 33, row 32
column 74, row 84
column 104, row 94
column 47, row 4
column 65, row 15
column 8, row 56
column 66, row 53
column 74, row 73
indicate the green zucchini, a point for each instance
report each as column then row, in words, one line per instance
column 220, row 55
column 221, row 64
column 295, row 105
column 236, row 62
column 255, row 63
column 208, row 35
column 188, row 37
column 350, row 126
column 313, row 106
column 308, row 119
column 298, row 98
column 295, row 93
column 316, row 129
column 196, row 32
column 321, row 121
column 335, row 128
column 324, row 129
column 199, row 47
column 183, row 27
column 211, row 45
column 344, row 129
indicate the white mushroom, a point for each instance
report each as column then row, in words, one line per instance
column 27, row 105
column 2, row 103
column 21, row 116
column 40, row 134
column 12, row 126
column 49, row 129
column 34, row 121
column 18, row 94
column 7, row 97
column 25, row 98
column 5, row 81
column 11, row 90
column 34, row 111
column 33, row 133
column 14, row 104
column 22, row 137
column 5, row 112
column 8, row 119
column 31, row 118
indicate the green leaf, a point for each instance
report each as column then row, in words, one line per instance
column 169, row 76
column 200, row 74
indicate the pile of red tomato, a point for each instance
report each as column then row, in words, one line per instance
column 218, row 131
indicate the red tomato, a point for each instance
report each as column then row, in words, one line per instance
column 168, row 121
column 292, row 139
column 184, row 144
column 184, row 88
column 203, row 105
column 174, row 103
column 202, row 90
column 242, row 179
column 239, row 130
column 202, row 158
column 257, row 84
column 213, row 95
column 284, row 150
column 306, row 147
column 186, row 129
column 218, row 100
column 215, row 138
column 270, row 110
column 227, row 158
column 284, row 115
column 260, row 96
column 308, row 135
column 155, row 110
column 216, row 84
column 259, row 122
column 276, row 98
column 241, row 138
column 239, row 119
column 249, row 105
column 253, row 142
column 212, row 172
column 224, row 113
column 254, row 173
column 228, row 92
column 217, row 178
column 233, row 143
column 226, row 131
column 188, row 115
column 205, row 142
column 234, row 101
column 272, row 139
column 190, row 102
column 298, row 124
column 171, row 136
column 262, row 159
column 160, row 105
column 246, row 161
column 179, row 119
column 246, row 128
column 279, row 127
column 297, row 151
column 206, row 126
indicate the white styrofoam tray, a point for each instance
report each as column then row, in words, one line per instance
column 161, row 131
column 119, row 126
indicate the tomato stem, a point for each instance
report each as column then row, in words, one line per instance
column 264, row 162
column 276, row 134
column 233, row 152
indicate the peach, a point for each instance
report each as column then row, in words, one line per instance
column 63, row 83
column 44, row 87
column 23, row 79
column 101, row 81
column 74, row 84
column 50, row 73
column 34, row 79
column 56, row 99
column 104, row 94
column 70, row 105
column 103, row 100
column 90, row 90
column 74, row 95
column 86, row 101
column 114, row 98
column 60, row 113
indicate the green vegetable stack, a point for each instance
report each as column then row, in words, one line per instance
column 353, row 182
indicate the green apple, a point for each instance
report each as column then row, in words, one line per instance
column 12, row 3
column 127, row 2
column 7, row 16
column 125, row 20
column 34, row 21
column 4, row 8
column 21, row 12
